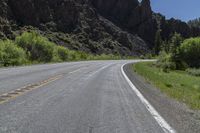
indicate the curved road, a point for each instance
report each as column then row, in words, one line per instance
column 78, row 97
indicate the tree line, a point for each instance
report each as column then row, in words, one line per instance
column 177, row 53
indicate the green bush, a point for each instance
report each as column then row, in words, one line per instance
column 180, row 64
column 165, row 63
column 73, row 56
column 193, row 72
column 82, row 55
column 37, row 47
column 190, row 52
column 105, row 57
column 11, row 54
column 63, row 53
column 31, row 47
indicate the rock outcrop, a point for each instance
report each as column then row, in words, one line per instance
column 72, row 23
column 138, row 18
column 132, row 16
column 96, row 26
column 172, row 25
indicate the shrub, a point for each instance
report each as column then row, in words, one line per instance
column 165, row 62
column 82, row 55
column 11, row 54
column 73, row 55
column 190, row 52
column 148, row 56
column 193, row 72
column 37, row 47
column 63, row 53
column 180, row 64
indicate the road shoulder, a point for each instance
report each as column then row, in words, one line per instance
column 177, row 114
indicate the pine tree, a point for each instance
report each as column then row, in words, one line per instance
column 176, row 41
column 165, row 46
column 158, row 42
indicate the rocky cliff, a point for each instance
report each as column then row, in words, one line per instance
column 97, row 26
column 132, row 16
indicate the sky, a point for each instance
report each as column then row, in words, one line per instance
column 180, row 9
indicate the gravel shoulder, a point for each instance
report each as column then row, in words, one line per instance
column 178, row 115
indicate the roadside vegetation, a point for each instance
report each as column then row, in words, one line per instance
column 180, row 54
column 176, row 84
column 11, row 54
column 32, row 48
column 177, row 70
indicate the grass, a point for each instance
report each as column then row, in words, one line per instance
column 176, row 84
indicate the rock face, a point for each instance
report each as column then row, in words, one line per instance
column 97, row 26
column 131, row 16
column 37, row 12
column 138, row 18
column 172, row 25
column 73, row 23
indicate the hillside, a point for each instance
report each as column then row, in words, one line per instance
column 95, row 26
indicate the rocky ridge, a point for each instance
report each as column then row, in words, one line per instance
column 95, row 26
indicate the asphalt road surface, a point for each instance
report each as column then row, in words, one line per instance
column 77, row 97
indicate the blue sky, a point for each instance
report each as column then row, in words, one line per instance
column 179, row 9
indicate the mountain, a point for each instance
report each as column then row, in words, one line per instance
column 172, row 25
column 95, row 26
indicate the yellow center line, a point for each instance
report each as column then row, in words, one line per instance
column 21, row 91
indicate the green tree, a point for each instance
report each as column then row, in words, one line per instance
column 158, row 42
column 190, row 52
column 175, row 42
column 165, row 46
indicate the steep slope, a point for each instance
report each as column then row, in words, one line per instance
column 96, row 26
column 131, row 15
column 74, row 24
column 138, row 18
column 172, row 25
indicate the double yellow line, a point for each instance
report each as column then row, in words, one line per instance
column 21, row 91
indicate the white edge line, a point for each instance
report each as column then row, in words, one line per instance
column 164, row 125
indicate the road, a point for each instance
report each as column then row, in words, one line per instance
column 77, row 97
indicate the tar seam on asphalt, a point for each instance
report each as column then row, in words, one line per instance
column 18, row 92
column 21, row 91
